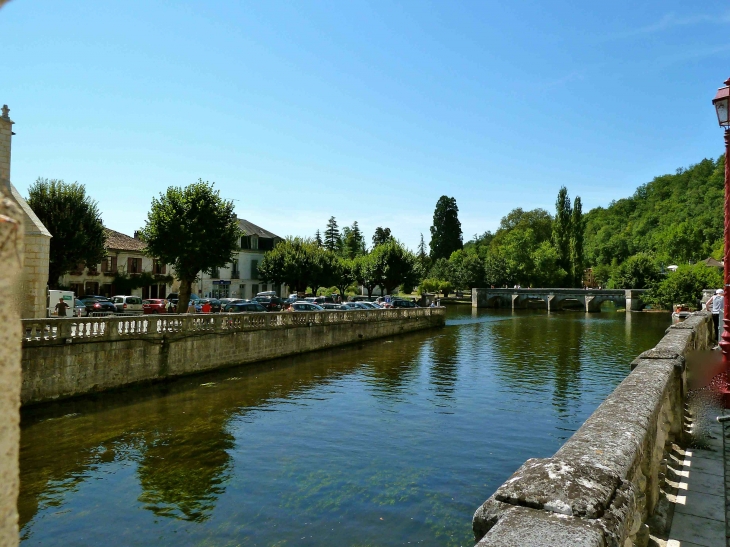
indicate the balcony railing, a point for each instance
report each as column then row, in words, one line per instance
column 235, row 275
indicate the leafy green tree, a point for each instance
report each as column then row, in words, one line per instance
column 429, row 285
column 446, row 287
column 495, row 270
column 467, row 269
column 75, row 224
column 684, row 286
column 441, row 269
column 577, row 229
column 298, row 263
column 342, row 272
column 332, row 241
column 380, row 236
column 366, row 272
column 562, row 229
column 546, row 268
column 638, row 272
column 194, row 229
column 395, row 265
column 446, row 236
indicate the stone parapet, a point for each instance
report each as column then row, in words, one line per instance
column 73, row 356
column 601, row 486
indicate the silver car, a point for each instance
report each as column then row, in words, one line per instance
column 128, row 304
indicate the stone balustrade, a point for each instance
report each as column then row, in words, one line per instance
column 602, row 485
column 73, row 356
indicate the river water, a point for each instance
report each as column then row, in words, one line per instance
column 392, row 442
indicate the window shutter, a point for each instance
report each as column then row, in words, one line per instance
column 254, row 269
column 129, row 265
column 114, row 264
column 105, row 265
column 164, row 269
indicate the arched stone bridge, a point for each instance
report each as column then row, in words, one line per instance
column 556, row 299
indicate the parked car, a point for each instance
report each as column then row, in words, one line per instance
column 98, row 306
column 319, row 300
column 79, row 308
column 370, row 305
column 398, row 303
column 305, row 306
column 271, row 303
column 215, row 305
column 154, row 305
column 330, row 306
column 354, row 306
column 244, row 307
column 128, row 304
column 225, row 301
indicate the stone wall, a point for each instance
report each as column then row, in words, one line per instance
column 11, row 258
column 37, row 239
column 68, row 357
column 603, row 483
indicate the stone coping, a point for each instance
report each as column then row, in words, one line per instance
column 87, row 329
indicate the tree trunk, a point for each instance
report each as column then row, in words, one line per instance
column 183, row 296
column 370, row 291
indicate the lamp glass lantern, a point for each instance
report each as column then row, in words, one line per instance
column 722, row 104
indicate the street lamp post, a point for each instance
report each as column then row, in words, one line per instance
column 722, row 107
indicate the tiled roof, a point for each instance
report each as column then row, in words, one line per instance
column 121, row 242
column 249, row 229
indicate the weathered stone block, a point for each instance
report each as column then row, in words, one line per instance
column 523, row 527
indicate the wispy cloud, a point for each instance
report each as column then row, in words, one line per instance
column 671, row 21
column 692, row 55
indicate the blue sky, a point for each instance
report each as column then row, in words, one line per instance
column 367, row 111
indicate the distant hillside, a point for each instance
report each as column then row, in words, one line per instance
column 676, row 218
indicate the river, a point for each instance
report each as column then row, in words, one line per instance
column 391, row 442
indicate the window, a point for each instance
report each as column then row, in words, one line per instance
column 216, row 273
column 242, row 290
column 254, row 269
column 235, row 274
column 254, row 243
column 134, row 265
column 245, row 242
column 158, row 268
column 263, row 287
column 254, row 289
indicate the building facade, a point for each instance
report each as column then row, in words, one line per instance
column 125, row 265
column 32, row 294
column 240, row 278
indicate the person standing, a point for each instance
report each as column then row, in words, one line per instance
column 716, row 305
column 61, row 308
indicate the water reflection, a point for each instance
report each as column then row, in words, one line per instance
column 391, row 441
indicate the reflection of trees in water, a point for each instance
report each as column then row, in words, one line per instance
column 444, row 362
column 182, row 471
column 182, row 475
column 534, row 351
column 392, row 364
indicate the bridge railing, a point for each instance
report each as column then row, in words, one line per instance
column 70, row 329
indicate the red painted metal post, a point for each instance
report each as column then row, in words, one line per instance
column 725, row 341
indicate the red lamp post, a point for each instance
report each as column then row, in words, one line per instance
column 722, row 107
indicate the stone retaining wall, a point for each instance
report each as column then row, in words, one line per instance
column 603, row 483
column 68, row 357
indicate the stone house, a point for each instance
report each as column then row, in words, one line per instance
column 125, row 256
column 33, row 290
column 240, row 279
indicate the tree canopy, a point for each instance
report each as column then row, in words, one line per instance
column 194, row 229
column 75, row 224
column 446, row 236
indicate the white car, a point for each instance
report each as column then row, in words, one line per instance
column 128, row 304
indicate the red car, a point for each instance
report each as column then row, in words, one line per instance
column 154, row 305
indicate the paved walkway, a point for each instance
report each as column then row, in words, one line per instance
column 699, row 478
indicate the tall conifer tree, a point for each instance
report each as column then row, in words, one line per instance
column 577, row 229
column 446, row 235
column 562, row 232
column 332, row 235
